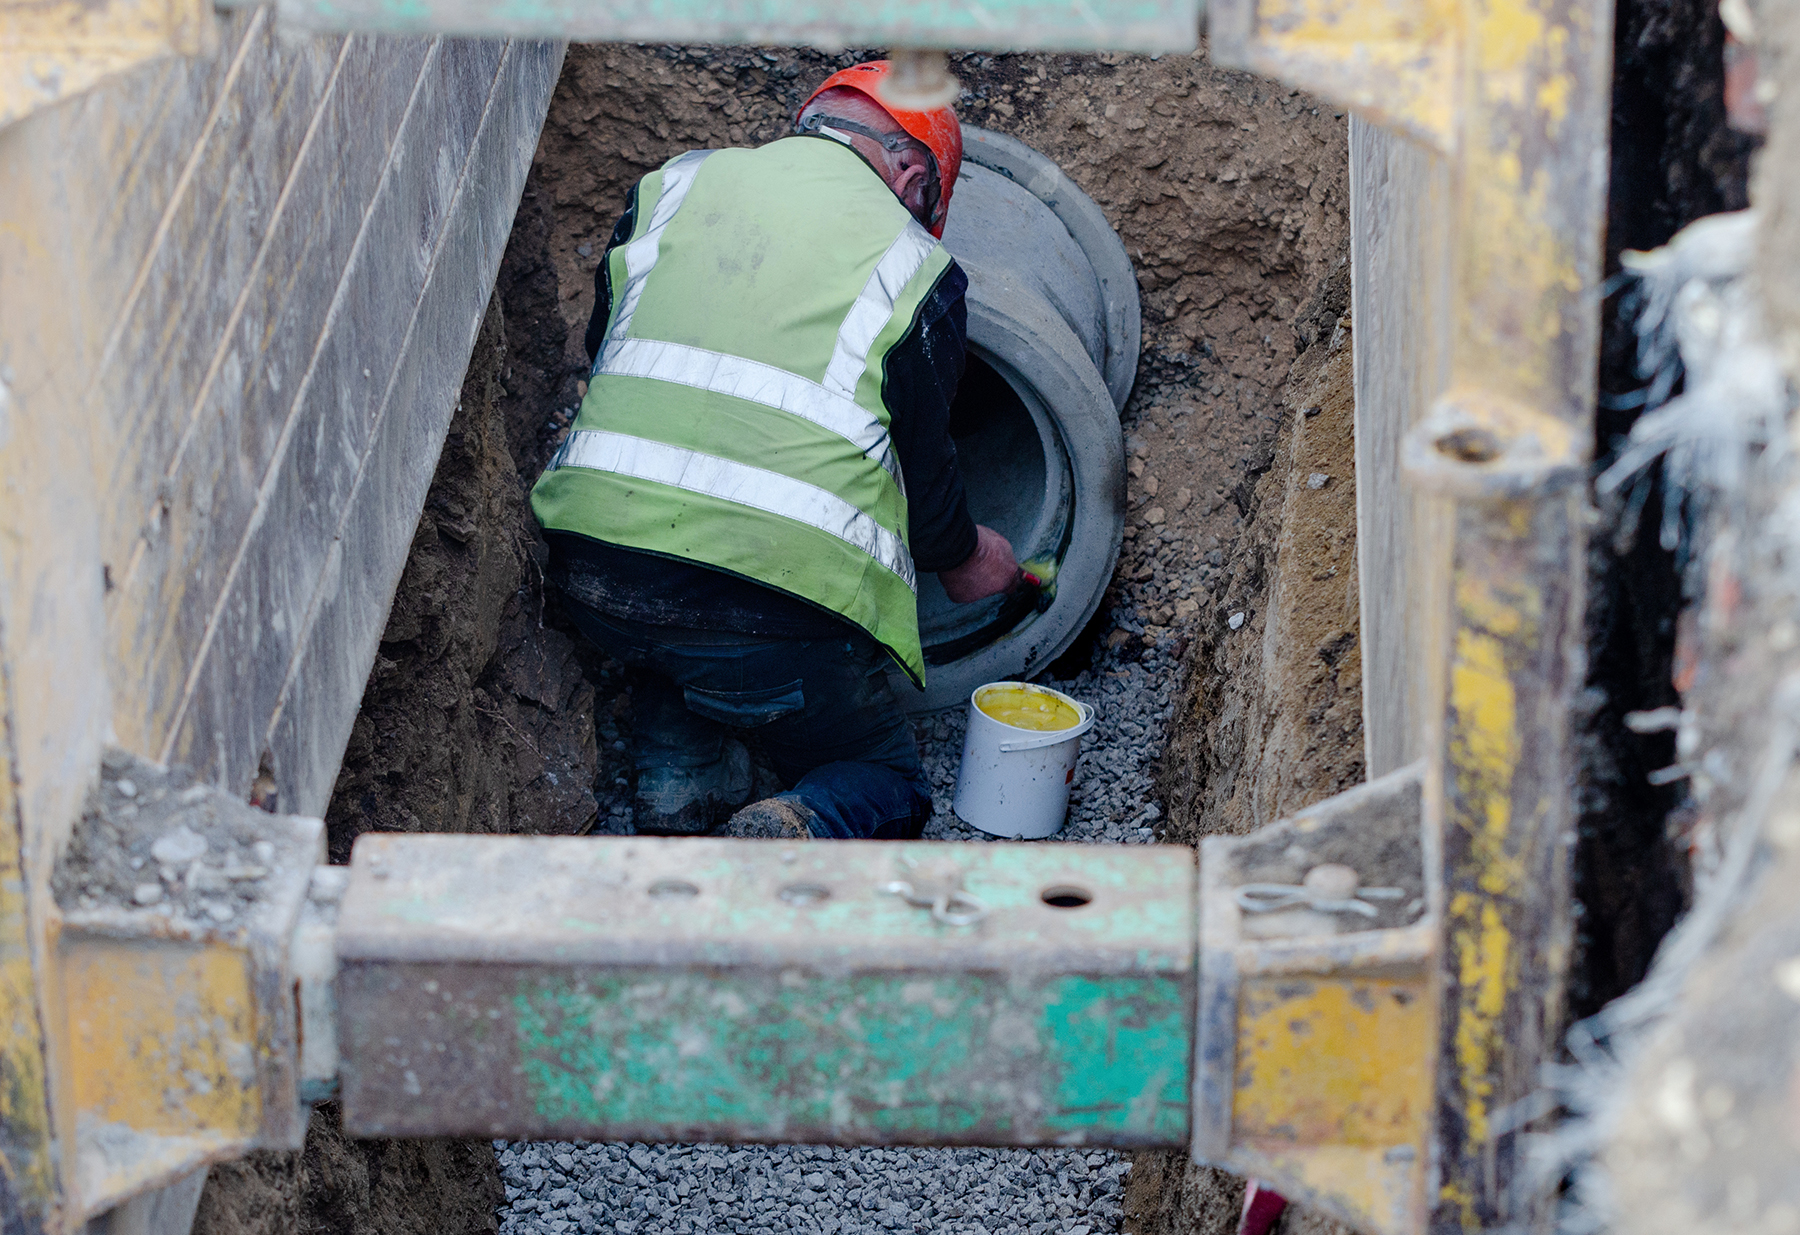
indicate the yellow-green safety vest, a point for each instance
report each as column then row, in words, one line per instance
column 734, row 416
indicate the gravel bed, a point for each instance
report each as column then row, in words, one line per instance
column 554, row 1187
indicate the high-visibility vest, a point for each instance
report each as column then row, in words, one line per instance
column 734, row 416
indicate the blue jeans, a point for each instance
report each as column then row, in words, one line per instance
column 822, row 708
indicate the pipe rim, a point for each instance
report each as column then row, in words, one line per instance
column 1026, row 342
column 1087, row 223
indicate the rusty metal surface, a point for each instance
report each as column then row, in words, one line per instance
column 1507, row 823
column 1530, row 207
column 178, row 1011
column 742, row 990
column 1317, row 1021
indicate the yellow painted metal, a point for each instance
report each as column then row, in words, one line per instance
column 1340, row 1061
column 162, row 1048
column 1318, row 1030
column 1333, row 1083
column 51, row 49
column 1394, row 61
column 28, row 1175
column 1516, row 92
column 163, row 1036
column 1334, row 1089
column 178, row 1023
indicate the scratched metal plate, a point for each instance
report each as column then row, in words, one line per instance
column 659, row 989
column 998, row 25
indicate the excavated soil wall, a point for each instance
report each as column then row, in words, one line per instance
column 484, row 713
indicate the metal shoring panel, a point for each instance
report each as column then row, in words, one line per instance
column 999, row 25
column 652, row 989
column 1516, row 93
column 30, row 1184
column 1510, row 442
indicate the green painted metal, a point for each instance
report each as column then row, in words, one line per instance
column 741, row 990
column 999, row 25
column 904, row 1057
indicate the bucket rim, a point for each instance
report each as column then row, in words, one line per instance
column 1084, row 712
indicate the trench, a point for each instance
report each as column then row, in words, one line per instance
column 485, row 712
column 1674, row 160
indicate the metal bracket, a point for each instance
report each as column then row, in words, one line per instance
column 178, row 907
column 655, row 989
column 1393, row 62
column 658, row 989
column 1478, row 445
column 1514, row 93
column 1316, row 1026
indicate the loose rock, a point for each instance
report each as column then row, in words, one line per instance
column 177, row 846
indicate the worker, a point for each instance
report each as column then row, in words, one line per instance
column 762, row 465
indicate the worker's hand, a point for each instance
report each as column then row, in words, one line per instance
column 990, row 570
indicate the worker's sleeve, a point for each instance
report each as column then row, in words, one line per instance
column 596, row 329
column 922, row 374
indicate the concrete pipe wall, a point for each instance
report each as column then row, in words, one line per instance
column 1053, row 348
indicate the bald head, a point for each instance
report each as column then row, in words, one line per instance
column 907, row 171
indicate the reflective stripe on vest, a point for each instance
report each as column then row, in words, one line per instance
column 874, row 307
column 830, row 404
column 756, row 382
column 755, row 487
column 640, row 254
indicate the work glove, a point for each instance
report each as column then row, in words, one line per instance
column 989, row 571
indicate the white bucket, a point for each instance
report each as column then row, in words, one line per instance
column 1015, row 782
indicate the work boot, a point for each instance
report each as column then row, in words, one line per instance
column 772, row 819
column 691, row 801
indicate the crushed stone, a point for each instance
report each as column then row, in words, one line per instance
column 158, row 840
column 557, row 1187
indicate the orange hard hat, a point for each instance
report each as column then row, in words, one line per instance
column 937, row 130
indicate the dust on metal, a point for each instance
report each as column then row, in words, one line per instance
column 178, row 1010
column 30, row 1187
column 544, row 987
column 50, row 51
column 1316, row 1024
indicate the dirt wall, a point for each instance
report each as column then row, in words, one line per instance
column 1271, row 720
column 478, row 717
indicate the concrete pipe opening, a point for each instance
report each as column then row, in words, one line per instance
column 1053, row 347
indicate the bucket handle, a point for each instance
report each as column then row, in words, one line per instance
column 1053, row 737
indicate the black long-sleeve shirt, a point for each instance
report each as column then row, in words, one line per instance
column 919, row 383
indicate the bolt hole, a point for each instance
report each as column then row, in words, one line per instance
column 804, row 895
column 673, row 889
column 1470, row 445
column 1065, row 896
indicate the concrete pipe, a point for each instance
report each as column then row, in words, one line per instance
column 1053, row 346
